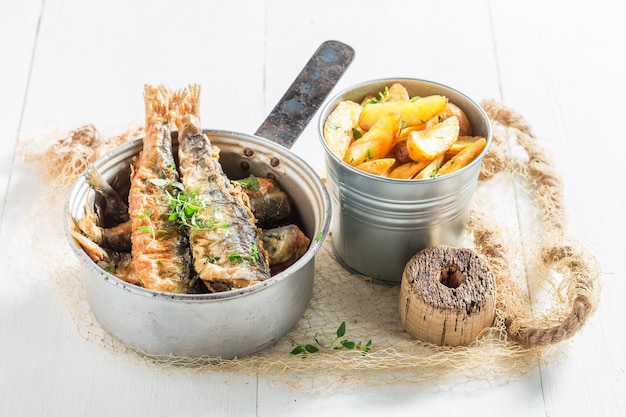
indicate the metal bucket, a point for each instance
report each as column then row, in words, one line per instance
column 379, row 223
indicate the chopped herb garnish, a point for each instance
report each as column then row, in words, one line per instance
column 356, row 134
column 251, row 183
column 149, row 228
column 184, row 208
column 383, row 94
column 235, row 258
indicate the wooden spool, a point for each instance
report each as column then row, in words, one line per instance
column 447, row 296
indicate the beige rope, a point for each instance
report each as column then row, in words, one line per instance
column 579, row 270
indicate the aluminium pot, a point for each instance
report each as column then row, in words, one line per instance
column 240, row 322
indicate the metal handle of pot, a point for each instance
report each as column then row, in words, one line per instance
column 306, row 94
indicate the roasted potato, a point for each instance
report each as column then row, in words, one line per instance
column 465, row 128
column 414, row 112
column 426, row 145
column 377, row 142
column 377, row 166
column 464, row 157
column 339, row 126
column 459, row 144
column 397, row 92
column 407, row 170
column 431, row 170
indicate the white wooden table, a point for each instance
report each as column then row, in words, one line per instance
column 65, row 63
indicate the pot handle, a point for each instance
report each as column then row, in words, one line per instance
column 307, row 92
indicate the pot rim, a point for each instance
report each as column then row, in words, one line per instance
column 334, row 100
column 309, row 255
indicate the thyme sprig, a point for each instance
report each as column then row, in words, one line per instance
column 334, row 342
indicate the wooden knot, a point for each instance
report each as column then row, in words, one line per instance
column 447, row 296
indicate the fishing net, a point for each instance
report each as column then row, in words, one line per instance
column 547, row 283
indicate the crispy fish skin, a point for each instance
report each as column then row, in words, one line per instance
column 269, row 204
column 284, row 245
column 228, row 249
column 159, row 248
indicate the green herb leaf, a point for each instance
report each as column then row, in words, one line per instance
column 347, row 344
column 311, row 348
column 251, row 183
column 341, row 331
column 235, row 258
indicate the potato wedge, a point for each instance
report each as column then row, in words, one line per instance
column 408, row 170
column 397, row 92
column 414, row 112
column 338, row 133
column 431, row 170
column 459, row 144
column 464, row 157
column 426, row 145
column 465, row 127
column 377, row 142
column 377, row 166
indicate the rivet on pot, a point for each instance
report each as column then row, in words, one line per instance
column 244, row 165
column 271, row 176
column 274, row 162
column 248, row 152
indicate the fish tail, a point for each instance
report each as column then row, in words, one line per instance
column 194, row 99
column 177, row 106
column 188, row 115
column 156, row 100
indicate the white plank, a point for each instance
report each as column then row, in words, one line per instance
column 18, row 27
column 93, row 60
column 563, row 77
